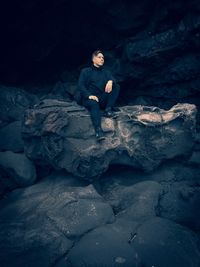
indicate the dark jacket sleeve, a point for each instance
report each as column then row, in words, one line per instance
column 110, row 76
column 83, row 82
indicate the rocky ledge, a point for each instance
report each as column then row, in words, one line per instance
column 60, row 134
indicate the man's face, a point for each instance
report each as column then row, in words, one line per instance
column 98, row 60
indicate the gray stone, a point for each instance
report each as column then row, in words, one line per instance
column 19, row 167
column 36, row 244
column 142, row 200
column 61, row 134
column 11, row 138
column 180, row 202
column 195, row 158
column 13, row 102
column 160, row 242
column 35, row 222
column 104, row 246
column 129, row 198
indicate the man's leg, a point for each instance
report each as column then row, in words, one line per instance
column 112, row 96
column 108, row 100
column 93, row 107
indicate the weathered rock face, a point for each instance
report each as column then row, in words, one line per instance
column 10, row 137
column 63, row 221
column 39, row 224
column 13, row 102
column 61, row 134
column 20, row 168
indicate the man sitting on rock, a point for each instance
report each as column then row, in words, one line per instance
column 98, row 90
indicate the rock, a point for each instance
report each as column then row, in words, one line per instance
column 13, row 102
column 135, row 202
column 10, row 137
column 160, row 242
column 174, row 171
column 180, row 202
column 61, row 134
column 19, row 167
column 61, row 91
column 6, row 183
column 37, row 222
column 142, row 199
column 164, row 56
column 195, row 158
column 105, row 246
column 31, row 245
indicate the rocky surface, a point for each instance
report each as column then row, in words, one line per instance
column 13, row 102
column 61, row 134
column 11, row 137
column 21, row 169
column 38, row 225
column 62, row 221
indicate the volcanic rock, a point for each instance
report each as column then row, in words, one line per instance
column 61, row 134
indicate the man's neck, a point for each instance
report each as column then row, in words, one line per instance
column 97, row 66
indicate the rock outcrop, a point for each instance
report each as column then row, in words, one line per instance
column 39, row 224
column 63, row 221
column 61, row 134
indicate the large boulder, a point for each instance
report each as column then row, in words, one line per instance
column 160, row 242
column 180, row 202
column 13, row 102
column 108, row 245
column 61, row 134
column 10, row 137
column 137, row 202
column 39, row 224
column 19, row 167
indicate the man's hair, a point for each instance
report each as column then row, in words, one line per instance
column 96, row 52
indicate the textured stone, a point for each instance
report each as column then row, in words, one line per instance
column 10, row 137
column 104, row 246
column 180, row 202
column 61, row 134
column 35, row 222
column 13, row 102
column 160, row 242
column 143, row 199
column 19, row 167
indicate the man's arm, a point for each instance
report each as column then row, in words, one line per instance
column 82, row 83
column 109, row 84
column 108, row 87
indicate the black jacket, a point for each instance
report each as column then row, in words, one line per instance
column 92, row 81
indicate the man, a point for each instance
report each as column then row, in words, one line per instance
column 98, row 90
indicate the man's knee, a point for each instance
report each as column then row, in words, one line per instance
column 116, row 88
column 92, row 104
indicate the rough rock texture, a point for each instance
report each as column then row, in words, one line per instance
column 61, row 134
column 162, row 243
column 19, row 167
column 157, row 242
column 179, row 202
column 63, row 221
column 11, row 138
column 13, row 102
column 39, row 224
column 105, row 246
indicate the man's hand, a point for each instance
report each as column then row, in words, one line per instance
column 94, row 97
column 108, row 87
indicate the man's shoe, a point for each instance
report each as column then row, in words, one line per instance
column 109, row 113
column 99, row 134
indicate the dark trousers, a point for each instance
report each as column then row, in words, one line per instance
column 106, row 100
